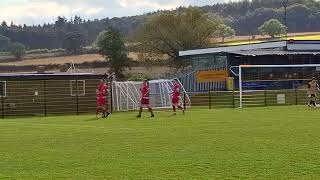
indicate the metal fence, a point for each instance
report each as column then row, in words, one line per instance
column 72, row 96
column 78, row 96
column 48, row 97
column 257, row 98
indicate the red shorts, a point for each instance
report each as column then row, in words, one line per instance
column 101, row 101
column 145, row 101
column 175, row 100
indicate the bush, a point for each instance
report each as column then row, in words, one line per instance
column 18, row 50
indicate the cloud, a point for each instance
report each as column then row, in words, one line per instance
column 93, row 11
column 32, row 11
column 40, row 11
column 148, row 4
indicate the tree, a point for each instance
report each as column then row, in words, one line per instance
column 272, row 28
column 4, row 24
column 112, row 47
column 225, row 31
column 61, row 22
column 99, row 38
column 18, row 50
column 74, row 41
column 4, row 43
column 172, row 31
column 299, row 14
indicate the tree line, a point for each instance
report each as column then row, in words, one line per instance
column 245, row 17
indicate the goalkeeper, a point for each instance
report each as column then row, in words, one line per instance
column 313, row 87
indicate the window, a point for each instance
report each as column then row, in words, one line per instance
column 81, row 88
column 3, row 89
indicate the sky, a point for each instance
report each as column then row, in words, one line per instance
column 39, row 11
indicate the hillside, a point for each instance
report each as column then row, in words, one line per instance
column 245, row 17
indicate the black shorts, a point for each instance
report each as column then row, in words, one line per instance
column 313, row 95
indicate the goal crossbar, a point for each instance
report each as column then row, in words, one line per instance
column 240, row 67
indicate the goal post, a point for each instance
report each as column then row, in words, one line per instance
column 126, row 95
column 285, row 73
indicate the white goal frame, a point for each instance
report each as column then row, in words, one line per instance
column 241, row 67
column 126, row 95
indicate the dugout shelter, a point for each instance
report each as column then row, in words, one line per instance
column 209, row 69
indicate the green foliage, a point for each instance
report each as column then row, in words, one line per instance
column 4, row 24
column 74, row 41
column 112, row 47
column 225, row 31
column 18, row 50
column 100, row 37
column 243, row 16
column 297, row 14
column 170, row 32
column 253, row 143
column 272, row 28
column 4, row 43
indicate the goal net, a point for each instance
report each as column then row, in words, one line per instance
column 126, row 95
column 274, row 84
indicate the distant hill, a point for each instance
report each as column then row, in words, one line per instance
column 245, row 17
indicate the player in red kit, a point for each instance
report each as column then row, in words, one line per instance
column 145, row 98
column 176, row 96
column 102, row 92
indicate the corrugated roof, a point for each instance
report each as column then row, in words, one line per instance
column 295, row 48
column 264, row 45
column 271, row 52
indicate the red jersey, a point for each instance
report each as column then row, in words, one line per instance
column 102, row 90
column 145, row 91
column 176, row 90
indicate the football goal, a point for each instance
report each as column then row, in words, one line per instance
column 126, row 95
column 273, row 77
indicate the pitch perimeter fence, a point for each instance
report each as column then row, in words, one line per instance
column 48, row 97
column 257, row 98
column 78, row 96
column 72, row 96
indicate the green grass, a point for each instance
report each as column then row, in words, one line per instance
column 254, row 143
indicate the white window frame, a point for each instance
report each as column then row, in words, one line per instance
column 4, row 89
column 73, row 93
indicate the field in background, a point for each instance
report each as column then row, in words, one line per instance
column 241, row 40
column 58, row 60
column 68, row 59
column 253, row 143
column 50, row 58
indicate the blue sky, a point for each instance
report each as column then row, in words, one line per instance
column 40, row 11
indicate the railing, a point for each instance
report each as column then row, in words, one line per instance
column 48, row 97
column 257, row 98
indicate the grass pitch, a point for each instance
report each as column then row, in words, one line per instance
column 255, row 143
